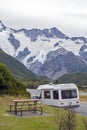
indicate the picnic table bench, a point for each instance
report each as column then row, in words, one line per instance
column 25, row 104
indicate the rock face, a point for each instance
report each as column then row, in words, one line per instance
column 46, row 52
column 61, row 62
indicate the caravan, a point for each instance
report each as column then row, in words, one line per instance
column 60, row 95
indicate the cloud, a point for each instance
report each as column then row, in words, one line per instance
column 69, row 16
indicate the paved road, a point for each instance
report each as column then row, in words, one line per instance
column 83, row 105
column 82, row 109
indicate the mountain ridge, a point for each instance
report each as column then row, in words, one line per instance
column 17, row 68
column 36, row 48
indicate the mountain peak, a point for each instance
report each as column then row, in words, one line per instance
column 2, row 26
column 57, row 33
column 54, row 28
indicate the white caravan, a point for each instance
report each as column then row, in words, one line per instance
column 61, row 95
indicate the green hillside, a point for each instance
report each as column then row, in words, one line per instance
column 17, row 68
column 79, row 78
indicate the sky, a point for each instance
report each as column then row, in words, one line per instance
column 69, row 16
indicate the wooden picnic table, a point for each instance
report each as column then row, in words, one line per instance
column 25, row 102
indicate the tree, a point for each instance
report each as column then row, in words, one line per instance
column 10, row 85
column 5, row 77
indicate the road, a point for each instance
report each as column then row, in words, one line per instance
column 82, row 109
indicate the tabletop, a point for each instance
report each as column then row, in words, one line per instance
column 26, row 100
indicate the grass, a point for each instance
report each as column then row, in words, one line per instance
column 9, row 122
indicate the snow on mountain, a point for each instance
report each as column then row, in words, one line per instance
column 35, row 47
column 5, row 44
column 79, row 40
column 40, row 48
column 2, row 26
column 85, row 50
column 69, row 45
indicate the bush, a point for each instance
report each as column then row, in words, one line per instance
column 68, row 120
column 10, row 85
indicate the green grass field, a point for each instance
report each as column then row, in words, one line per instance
column 10, row 122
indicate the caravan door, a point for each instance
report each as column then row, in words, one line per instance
column 55, row 97
column 47, row 97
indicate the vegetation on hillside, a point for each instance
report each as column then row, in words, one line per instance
column 34, row 83
column 10, row 85
column 78, row 78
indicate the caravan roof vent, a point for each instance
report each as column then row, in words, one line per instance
column 50, row 83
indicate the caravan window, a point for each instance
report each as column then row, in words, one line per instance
column 55, row 94
column 68, row 94
column 47, row 94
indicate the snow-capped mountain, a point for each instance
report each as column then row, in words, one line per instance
column 46, row 52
